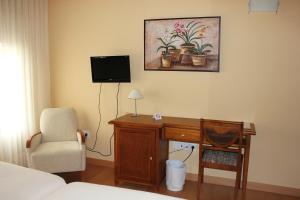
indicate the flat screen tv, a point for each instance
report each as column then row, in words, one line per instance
column 113, row 69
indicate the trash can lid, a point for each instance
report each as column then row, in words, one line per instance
column 175, row 163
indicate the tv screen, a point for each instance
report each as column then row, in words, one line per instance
column 110, row 69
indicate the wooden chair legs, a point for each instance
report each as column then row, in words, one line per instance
column 239, row 174
column 200, row 180
column 202, row 174
column 201, row 177
column 238, row 180
column 198, row 190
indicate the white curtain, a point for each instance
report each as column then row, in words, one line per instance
column 24, row 74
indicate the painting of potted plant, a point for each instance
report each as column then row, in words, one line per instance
column 200, row 53
column 166, row 46
column 175, row 55
column 187, row 33
column 182, row 44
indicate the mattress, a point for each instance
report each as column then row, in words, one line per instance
column 88, row 191
column 20, row 183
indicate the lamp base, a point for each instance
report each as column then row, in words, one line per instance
column 135, row 115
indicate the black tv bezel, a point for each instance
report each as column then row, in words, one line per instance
column 110, row 80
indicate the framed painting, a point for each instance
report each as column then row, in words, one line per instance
column 182, row 44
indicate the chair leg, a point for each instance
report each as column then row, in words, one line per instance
column 238, row 179
column 200, row 181
column 239, row 175
column 202, row 174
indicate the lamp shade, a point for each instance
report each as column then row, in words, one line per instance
column 135, row 94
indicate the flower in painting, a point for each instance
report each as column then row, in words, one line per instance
column 201, row 49
column 165, row 35
column 201, row 32
column 166, row 41
column 188, row 33
column 179, row 28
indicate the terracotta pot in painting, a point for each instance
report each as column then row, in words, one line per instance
column 166, row 61
column 175, row 55
column 199, row 60
column 186, row 53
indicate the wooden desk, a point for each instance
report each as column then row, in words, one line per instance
column 141, row 146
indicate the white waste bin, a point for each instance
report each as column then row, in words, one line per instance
column 175, row 179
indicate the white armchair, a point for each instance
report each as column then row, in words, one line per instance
column 60, row 146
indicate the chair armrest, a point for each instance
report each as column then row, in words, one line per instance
column 34, row 141
column 81, row 136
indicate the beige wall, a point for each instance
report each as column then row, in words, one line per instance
column 258, row 81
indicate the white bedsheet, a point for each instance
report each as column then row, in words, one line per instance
column 88, row 191
column 20, row 183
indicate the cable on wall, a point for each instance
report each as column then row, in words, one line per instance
column 189, row 154
column 100, row 116
column 117, row 99
column 99, row 123
column 175, row 151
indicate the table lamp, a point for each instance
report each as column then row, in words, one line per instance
column 135, row 94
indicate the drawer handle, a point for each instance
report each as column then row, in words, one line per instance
column 182, row 135
column 150, row 158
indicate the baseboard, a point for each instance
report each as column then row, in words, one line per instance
column 251, row 185
column 99, row 162
column 219, row 180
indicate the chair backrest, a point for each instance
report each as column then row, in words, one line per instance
column 222, row 134
column 58, row 124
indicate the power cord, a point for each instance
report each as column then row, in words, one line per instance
column 100, row 116
column 99, row 122
column 183, row 149
column 189, row 154
column 175, row 151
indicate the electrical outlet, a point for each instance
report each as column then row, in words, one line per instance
column 87, row 133
column 184, row 145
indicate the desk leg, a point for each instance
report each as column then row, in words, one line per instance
column 246, row 163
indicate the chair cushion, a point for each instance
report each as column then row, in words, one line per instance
column 53, row 157
column 58, row 124
column 220, row 157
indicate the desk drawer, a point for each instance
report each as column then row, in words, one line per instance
column 181, row 134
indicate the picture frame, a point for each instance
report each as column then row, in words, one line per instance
column 182, row 44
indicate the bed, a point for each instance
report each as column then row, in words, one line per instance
column 78, row 190
column 20, row 183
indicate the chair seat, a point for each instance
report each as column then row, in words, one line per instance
column 54, row 157
column 220, row 157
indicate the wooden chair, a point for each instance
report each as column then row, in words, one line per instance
column 220, row 148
